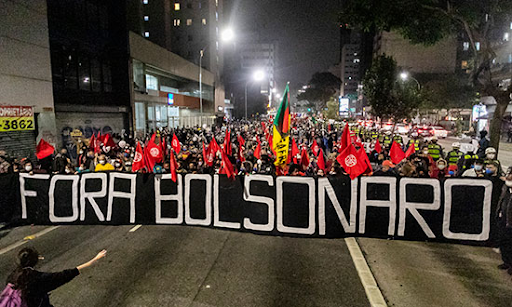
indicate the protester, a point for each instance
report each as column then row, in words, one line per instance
column 504, row 217
column 476, row 171
column 103, row 165
column 35, row 285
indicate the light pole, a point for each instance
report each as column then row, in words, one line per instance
column 405, row 75
column 258, row 76
column 227, row 35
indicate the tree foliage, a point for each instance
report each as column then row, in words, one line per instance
column 448, row 92
column 428, row 21
column 388, row 97
column 322, row 87
column 332, row 109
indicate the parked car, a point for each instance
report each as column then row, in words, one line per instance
column 439, row 132
column 422, row 131
column 401, row 129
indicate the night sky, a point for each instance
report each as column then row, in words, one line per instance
column 307, row 32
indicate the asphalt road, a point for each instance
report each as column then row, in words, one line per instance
column 186, row 266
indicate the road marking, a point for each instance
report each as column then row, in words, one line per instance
column 134, row 229
column 365, row 274
column 27, row 239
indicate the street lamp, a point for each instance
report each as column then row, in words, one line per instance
column 258, row 76
column 226, row 36
column 405, row 76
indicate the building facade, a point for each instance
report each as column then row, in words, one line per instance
column 26, row 94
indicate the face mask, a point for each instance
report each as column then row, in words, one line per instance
column 199, row 163
column 132, row 155
column 478, row 167
column 81, row 168
column 451, row 173
column 508, row 183
column 81, row 152
column 117, row 164
column 68, row 171
column 90, row 156
column 425, row 152
column 491, row 156
column 442, row 167
column 28, row 168
column 489, row 171
column 102, row 162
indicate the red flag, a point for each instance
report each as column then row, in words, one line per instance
column 345, row 139
column 304, row 158
column 321, row 160
column 364, row 157
column 208, row 155
column 214, row 147
column 108, row 141
column 138, row 159
column 351, row 162
column 241, row 152
column 257, row 151
column 44, row 149
column 227, row 143
column 173, row 167
column 153, row 153
column 378, row 148
column 92, row 143
column 241, row 140
column 270, row 144
column 205, row 154
column 227, row 167
column 315, row 147
column 100, row 138
column 396, row 153
column 410, row 150
column 163, row 145
column 295, row 151
column 263, row 126
column 175, row 143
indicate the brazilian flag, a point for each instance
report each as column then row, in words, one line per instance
column 281, row 130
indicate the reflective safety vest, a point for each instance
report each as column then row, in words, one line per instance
column 386, row 140
column 398, row 139
column 454, row 156
column 468, row 160
column 416, row 144
column 434, row 150
column 374, row 135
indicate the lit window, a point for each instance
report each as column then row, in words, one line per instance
column 151, row 82
column 506, row 36
column 189, row 22
column 464, row 65
column 217, row 4
column 510, row 58
column 511, row 26
column 146, row 18
column 177, row 22
column 145, row 1
column 204, row 21
column 350, row 78
column 477, row 46
column 357, row 60
column 146, row 34
column 217, row 16
column 465, row 46
column 176, row 6
column 217, row 45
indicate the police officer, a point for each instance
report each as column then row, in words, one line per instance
column 398, row 139
column 467, row 160
column 490, row 158
column 374, row 135
column 414, row 140
column 386, row 140
column 454, row 156
column 435, row 150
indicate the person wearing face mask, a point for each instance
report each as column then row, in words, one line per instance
column 386, row 170
column 5, row 166
column 504, row 225
column 490, row 158
column 455, row 154
column 440, row 171
column 103, row 165
column 477, row 171
column 60, row 162
column 118, row 166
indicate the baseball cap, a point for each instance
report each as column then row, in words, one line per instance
column 388, row 163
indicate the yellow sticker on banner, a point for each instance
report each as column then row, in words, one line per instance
column 16, row 123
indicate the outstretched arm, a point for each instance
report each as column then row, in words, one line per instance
column 100, row 255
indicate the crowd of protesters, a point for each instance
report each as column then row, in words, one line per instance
column 251, row 153
column 315, row 150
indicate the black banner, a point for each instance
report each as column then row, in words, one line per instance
column 458, row 210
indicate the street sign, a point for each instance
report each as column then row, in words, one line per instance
column 16, row 118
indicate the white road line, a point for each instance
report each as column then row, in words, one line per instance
column 27, row 239
column 134, row 229
column 363, row 270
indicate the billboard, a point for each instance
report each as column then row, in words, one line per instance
column 343, row 108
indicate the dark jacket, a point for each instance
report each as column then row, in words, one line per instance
column 41, row 283
column 505, row 208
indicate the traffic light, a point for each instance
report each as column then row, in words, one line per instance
column 309, row 109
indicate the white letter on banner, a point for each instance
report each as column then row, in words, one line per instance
column 364, row 202
column 216, row 215
column 178, row 197
column 24, row 193
column 486, row 211
column 116, row 194
column 413, row 207
column 324, row 186
column 90, row 195
column 259, row 199
column 311, row 203
column 208, row 200
column 74, row 198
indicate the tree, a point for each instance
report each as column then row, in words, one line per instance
column 428, row 21
column 332, row 109
column 388, row 97
column 322, row 87
column 448, row 92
